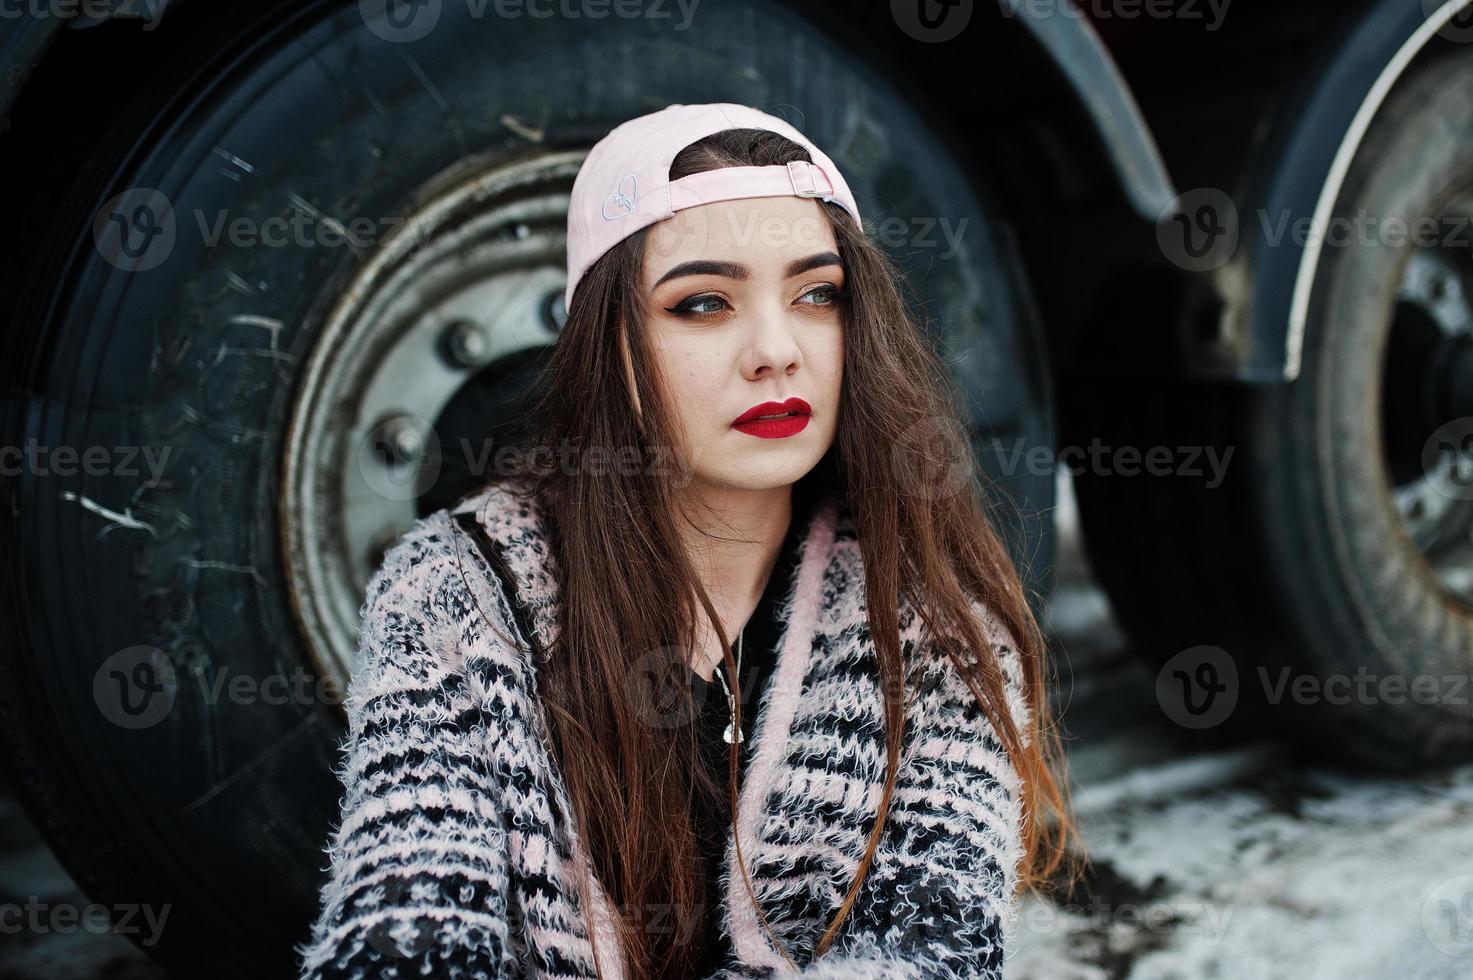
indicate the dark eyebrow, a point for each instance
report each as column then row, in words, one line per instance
column 705, row 267
column 799, row 266
column 735, row 270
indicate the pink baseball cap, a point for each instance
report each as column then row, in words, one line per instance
column 624, row 183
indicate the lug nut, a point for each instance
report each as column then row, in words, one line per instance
column 466, row 344
column 398, row 440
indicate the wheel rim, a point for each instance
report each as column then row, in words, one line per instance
column 1427, row 407
column 472, row 279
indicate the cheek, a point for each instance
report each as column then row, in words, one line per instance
column 829, row 358
column 695, row 374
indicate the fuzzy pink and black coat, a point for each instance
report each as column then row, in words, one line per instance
column 454, row 856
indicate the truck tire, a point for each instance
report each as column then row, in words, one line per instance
column 1338, row 552
column 182, row 624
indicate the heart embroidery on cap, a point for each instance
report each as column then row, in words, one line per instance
column 621, row 200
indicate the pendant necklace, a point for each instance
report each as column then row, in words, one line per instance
column 732, row 733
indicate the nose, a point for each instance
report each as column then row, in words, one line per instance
column 772, row 344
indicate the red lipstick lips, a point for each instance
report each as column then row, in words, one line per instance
column 793, row 418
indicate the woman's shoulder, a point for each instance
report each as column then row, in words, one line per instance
column 939, row 676
column 413, row 576
column 513, row 519
column 434, row 590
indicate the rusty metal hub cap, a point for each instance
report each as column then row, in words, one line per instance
column 474, row 275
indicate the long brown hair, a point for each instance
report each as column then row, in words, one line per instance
column 628, row 756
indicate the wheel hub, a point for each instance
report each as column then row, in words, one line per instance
column 471, row 282
column 1428, row 413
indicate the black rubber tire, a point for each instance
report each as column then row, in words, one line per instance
column 222, row 810
column 1299, row 560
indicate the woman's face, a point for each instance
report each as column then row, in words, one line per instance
column 744, row 301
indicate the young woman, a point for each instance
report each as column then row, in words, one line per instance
column 731, row 684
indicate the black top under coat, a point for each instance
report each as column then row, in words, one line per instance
column 759, row 658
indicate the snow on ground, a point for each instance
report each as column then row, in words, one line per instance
column 1238, row 862
column 1303, row 874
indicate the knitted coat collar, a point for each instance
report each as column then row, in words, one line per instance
column 818, row 751
column 516, row 527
